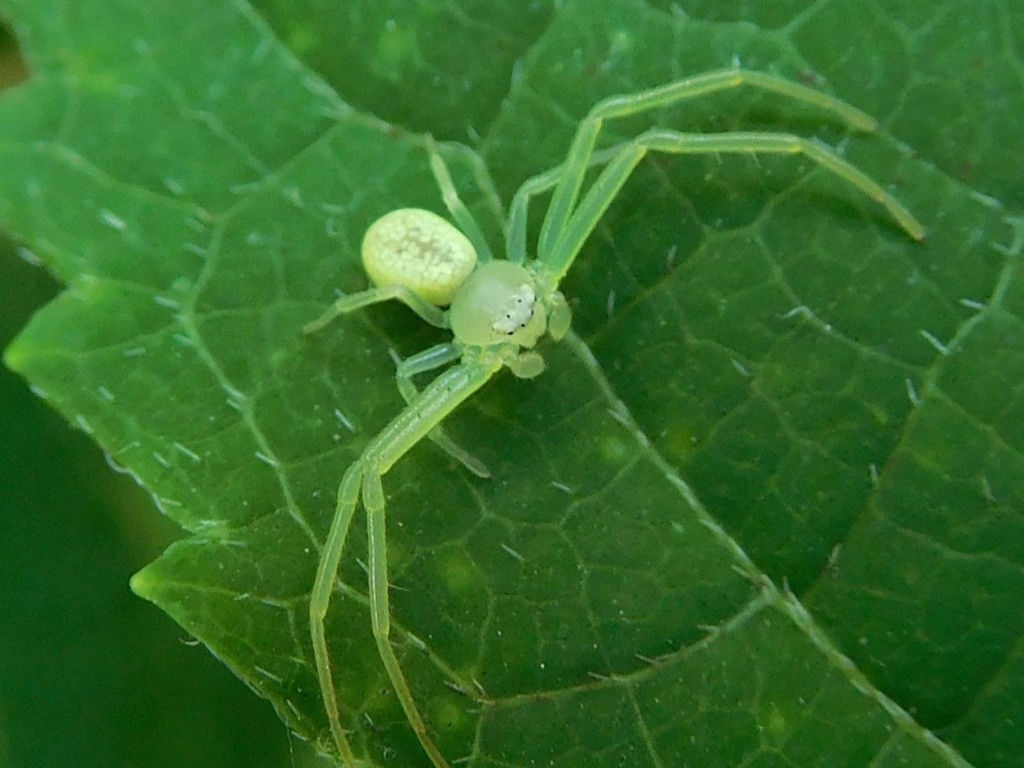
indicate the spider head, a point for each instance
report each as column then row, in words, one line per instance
column 498, row 303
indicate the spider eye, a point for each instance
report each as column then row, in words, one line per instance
column 518, row 310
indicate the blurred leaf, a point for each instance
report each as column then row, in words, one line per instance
column 843, row 403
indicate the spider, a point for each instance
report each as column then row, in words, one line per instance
column 497, row 310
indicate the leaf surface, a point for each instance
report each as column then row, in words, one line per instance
column 776, row 521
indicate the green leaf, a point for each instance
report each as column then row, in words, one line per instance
column 434, row 67
column 778, row 523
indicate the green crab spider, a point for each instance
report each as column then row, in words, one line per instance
column 497, row 310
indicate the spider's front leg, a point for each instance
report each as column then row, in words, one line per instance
column 380, row 611
column 428, row 360
column 607, row 185
column 582, row 148
column 421, row 417
column 364, row 474
column 320, row 599
column 567, row 224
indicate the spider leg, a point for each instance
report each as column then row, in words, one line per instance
column 515, row 240
column 380, row 612
column 428, row 360
column 467, row 223
column 600, row 195
column 578, row 158
column 416, row 421
column 353, row 301
column 320, row 597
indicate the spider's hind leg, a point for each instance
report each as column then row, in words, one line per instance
column 450, row 195
column 350, row 302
